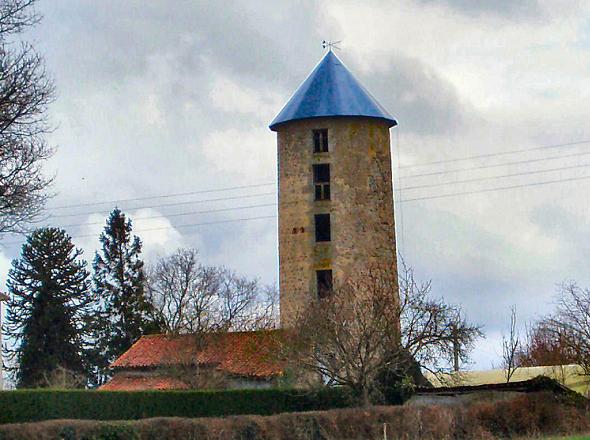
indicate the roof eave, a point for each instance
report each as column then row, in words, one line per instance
column 275, row 125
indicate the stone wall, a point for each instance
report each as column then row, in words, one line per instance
column 361, row 205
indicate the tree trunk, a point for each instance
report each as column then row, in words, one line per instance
column 366, row 400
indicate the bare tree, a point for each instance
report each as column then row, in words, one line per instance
column 350, row 336
column 362, row 331
column 189, row 297
column 436, row 334
column 266, row 309
column 16, row 15
column 25, row 93
column 183, row 292
column 511, row 347
column 236, row 300
column 570, row 324
column 543, row 346
column 196, row 300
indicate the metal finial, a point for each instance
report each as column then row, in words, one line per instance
column 331, row 45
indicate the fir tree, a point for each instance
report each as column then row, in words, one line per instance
column 48, row 311
column 119, row 285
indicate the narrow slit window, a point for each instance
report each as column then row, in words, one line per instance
column 324, row 283
column 322, row 227
column 320, row 141
column 321, row 181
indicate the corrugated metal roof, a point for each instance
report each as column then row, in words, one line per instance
column 331, row 90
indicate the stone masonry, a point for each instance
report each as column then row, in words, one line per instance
column 360, row 207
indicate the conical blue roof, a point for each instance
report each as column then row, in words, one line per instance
column 331, row 90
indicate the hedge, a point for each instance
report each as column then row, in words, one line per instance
column 35, row 405
column 527, row 416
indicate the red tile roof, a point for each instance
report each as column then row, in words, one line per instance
column 122, row 382
column 252, row 354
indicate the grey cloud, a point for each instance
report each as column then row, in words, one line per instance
column 249, row 39
column 474, row 267
column 573, row 235
column 421, row 101
column 108, row 57
column 506, row 9
column 130, row 49
column 113, row 59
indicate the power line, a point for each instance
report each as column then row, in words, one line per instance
column 518, row 162
column 173, row 227
column 169, row 195
column 274, row 204
column 273, row 193
column 401, row 201
column 503, row 153
column 209, row 211
column 477, row 179
column 190, row 202
column 547, row 182
column 190, row 193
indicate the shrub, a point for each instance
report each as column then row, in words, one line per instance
column 35, row 405
column 540, row 413
column 529, row 415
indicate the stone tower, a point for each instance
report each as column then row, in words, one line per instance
column 335, row 185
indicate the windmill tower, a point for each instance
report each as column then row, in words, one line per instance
column 335, row 185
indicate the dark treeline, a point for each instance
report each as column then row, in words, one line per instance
column 66, row 324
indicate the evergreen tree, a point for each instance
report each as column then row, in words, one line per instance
column 48, row 311
column 119, row 285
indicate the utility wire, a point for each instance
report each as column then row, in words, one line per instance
column 401, row 201
column 190, row 193
column 274, row 204
column 169, row 195
column 503, row 153
column 501, row 188
column 401, row 188
column 209, row 211
column 518, row 162
column 190, row 202
column 188, row 225
column 153, row 217
column 478, row 179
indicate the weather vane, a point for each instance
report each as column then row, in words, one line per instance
column 331, row 45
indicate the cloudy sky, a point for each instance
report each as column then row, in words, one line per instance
column 163, row 110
